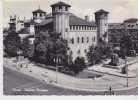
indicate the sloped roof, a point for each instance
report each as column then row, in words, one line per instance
column 23, row 31
column 32, row 22
column 38, row 11
column 115, row 26
column 131, row 20
column 101, row 11
column 46, row 21
column 73, row 20
column 60, row 4
column 49, row 15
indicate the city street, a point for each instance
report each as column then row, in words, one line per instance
column 16, row 83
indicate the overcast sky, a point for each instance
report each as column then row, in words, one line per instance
column 119, row 9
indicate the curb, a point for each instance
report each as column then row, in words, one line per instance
column 88, row 90
column 113, row 74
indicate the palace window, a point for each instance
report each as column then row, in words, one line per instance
column 105, row 15
column 87, row 27
column 78, row 39
column 94, row 39
column 90, row 27
column 87, row 39
column 73, row 27
column 85, row 51
column 66, row 8
column 66, row 29
column 72, row 40
column 82, row 39
column 76, row 27
column 40, row 15
column 70, row 27
column 79, row 27
column 60, row 8
column 78, row 51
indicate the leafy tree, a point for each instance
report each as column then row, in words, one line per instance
column 12, row 43
column 126, row 43
column 43, row 47
column 97, row 53
column 79, row 64
column 28, row 49
column 48, row 46
column 114, row 36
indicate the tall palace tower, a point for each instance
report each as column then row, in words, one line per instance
column 60, row 13
column 101, row 18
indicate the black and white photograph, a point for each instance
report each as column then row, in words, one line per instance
column 70, row 47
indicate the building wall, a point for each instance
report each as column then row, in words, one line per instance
column 61, row 23
column 37, row 18
column 19, row 26
column 83, row 47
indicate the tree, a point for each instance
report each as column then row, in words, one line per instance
column 28, row 49
column 48, row 46
column 114, row 36
column 126, row 43
column 12, row 43
column 97, row 53
column 43, row 47
column 79, row 64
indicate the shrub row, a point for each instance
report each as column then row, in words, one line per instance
column 61, row 69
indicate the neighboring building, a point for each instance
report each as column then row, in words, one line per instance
column 5, row 32
column 79, row 33
column 12, row 23
column 131, row 25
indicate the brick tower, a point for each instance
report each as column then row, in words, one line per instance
column 60, row 13
column 101, row 18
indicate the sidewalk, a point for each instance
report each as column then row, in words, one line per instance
column 115, row 71
column 68, row 81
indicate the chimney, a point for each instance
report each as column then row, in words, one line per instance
column 87, row 18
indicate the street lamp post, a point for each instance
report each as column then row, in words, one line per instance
column 56, row 70
column 126, row 66
column 19, row 53
column 56, row 66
